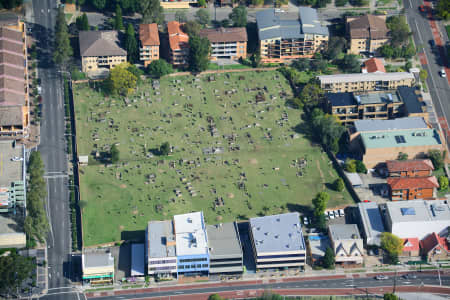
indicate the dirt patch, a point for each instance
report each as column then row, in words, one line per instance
column 230, row 195
column 283, row 155
column 135, row 212
column 123, row 186
column 160, row 171
column 121, row 227
column 253, row 161
column 219, row 218
column 321, row 175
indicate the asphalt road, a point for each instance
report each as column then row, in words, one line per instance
column 422, row 34
column 53, row 147
column 422, row 279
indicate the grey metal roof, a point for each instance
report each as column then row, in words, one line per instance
column 411, row 99
column 137, row 260
column 394, row 124
column 372, row 222
column 277, row 233
column 100, row 43
column 344, row 232
column 272, row 23
column 418, row 210
column 223, row 240
column 158, row 234
column 94, row 260
column 362, row 77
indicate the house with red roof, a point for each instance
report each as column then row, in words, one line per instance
column 411, row 247
column 373, row 65
column 435, row 247
column 410, row 188
column 409, row 168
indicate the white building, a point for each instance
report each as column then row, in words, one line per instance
column 417, row 218
column 347, row 244
column 160, row 248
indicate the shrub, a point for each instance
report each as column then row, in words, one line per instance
column 443, row 183
column 339, row 185
column 350, row 166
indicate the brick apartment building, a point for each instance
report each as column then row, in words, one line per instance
column 178, row 44
column 228, row 43
column 285, row 36
column 409, row 168
column 14, row 97
column 411, row 188
column 436, row 247
column 149, row 43
column 366, row 33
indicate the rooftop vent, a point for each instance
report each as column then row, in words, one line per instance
column 277, row 236
column 287, row 246
column 189, row 220
column 278, row 219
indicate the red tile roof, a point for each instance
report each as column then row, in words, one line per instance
column 409, row 165
column 401, row 183
column 177, row 38
column 373, row 65
column 148, row 34
column 410, row 244
column 432, row 240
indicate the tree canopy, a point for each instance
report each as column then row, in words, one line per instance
column 14, row 269
column 336, row 46
column 152, row 12
column 202, row 16
column 164, row 149
column 399, row 30
column 159, row 68
column 329, row 258
column 131, row 44
column 311, row 96
column 82, row 22
column 349, row 64
column 180, row 16
column 443, row 9
column 437, row 158
column 122, row 81
column 392, row 244
column 63, row 50
column 339, row 185
column 199, row 49
column 9, row 4
column 320, row 203
column 192, row 28
column 118, row 19
column 239, row 16
column 115, row 154
column 326, row 129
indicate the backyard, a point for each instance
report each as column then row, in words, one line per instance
column 235, row 153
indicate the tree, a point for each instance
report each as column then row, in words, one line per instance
column 386, row 51
column 192, row 28
column 257, row 2
column 390, row 296
column 9, row 4
column 329, row 258
column 133, row 69
column 443, row 183
column 392, row 244
column 82, row 22
column 320, row 203
column 215, row 297
column 202, row 3
column 122, row 81
column 326, row 129
column 336, row 45
column 437, row 158
column 115, row 154
column 301, row 64
column 152, row 12
column 319, row 65
column 311, row 96
column 164, row 149
column 338, row 185
column 350, row 166
column 349, row 64
column 443, row 9
column 202, row 17
column 180, row 16
column 199, row 49
column 360, row 167
column 118, row 20
column 14, row 269
column 99, row 4
column 340, row 2
column 131, row 44
column 402, row 156
column 256, row 59
column 399, row 30
column 423, row 74
column 239, row 16
column 159, row 68
column 63, row 50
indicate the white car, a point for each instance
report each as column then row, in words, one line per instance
column 341, row 213
column 336, row 213
column 443, row 74
column 305, row 220
column 331, row 215
column 15, row 158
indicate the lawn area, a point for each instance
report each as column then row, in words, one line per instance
column 213, row 66
column 265, row 168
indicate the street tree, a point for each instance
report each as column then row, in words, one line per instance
column 9, row 4
column 199, row 50
column 63, row 50
column 180, row 16
column 423, row 75
column 393, row 245
column 443, row 9
column 399, row 30
column 437, row 158
column 152, row 12
column 164, row 149
column 202, row 17
column 115, row 154
column 192, row 28
column 131, row 44
column 118, row 19
column 159, row 68
column 215, row 297
column 14, row 270
column 360, row 167
column 239, row 16
column 201, row 3
column 443, row 183
column 122, row 81
column 320, row 203
column 329, row 258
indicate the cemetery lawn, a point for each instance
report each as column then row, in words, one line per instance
column 232, row 158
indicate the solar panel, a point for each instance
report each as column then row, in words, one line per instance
column 400, row 139
column 408, row 211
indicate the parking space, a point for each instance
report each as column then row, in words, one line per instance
column 374, row 188
column 10, row 163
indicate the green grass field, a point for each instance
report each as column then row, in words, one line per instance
column 265, row 168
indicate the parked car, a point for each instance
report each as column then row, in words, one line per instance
column 442, row 73
column 422, row 8
column 366, row 201
column 341, row 213
column 410, row 276
column 15, row 158
column 381, row 277
column 330, row 215
column 305, row 220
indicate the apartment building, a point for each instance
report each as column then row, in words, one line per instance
column 351, row 106
column 365, row 82
column 278, row 241
column 14, row 97
column 178, row 44
column 285, row 36
column 148, row 43
column 100, row 49
column 409, row 168
column 411, row 188
column 160, row 248
column 225, row 249
column 192, row 244
column 97, row 268
column 228, row 43
column 346, row 243
column 366, row 33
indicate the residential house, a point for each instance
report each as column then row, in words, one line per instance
column 367, row 33
column 225, row 249
column 226, row 43
column 97, row 268
column 373, row 65
column 100, row 49
column 346, row 243
column 416, row 218
column 411, row 247
column 411, row 188
column 435, row 247
column 409, row 168
column 192, row 244
column 371, row 223
column 278, row 241
column 284, row 36
column 178, row 44
column 160, row 248
column 149, row 43
column 14, row 97
column 365, row 82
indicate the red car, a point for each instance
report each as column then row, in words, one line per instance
column 366, row 201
